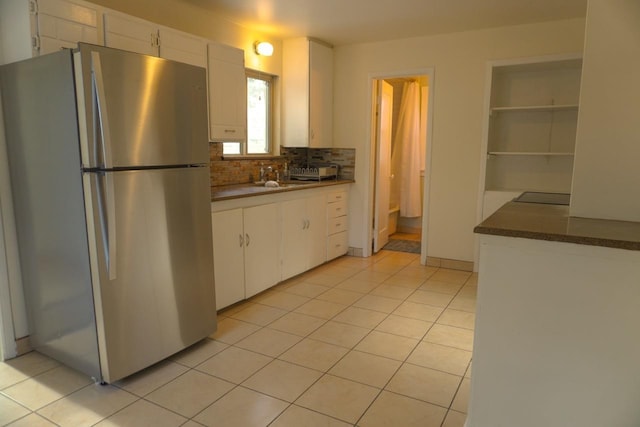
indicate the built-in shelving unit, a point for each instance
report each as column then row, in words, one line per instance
column 532, row 113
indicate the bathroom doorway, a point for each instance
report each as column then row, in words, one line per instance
column 401, row 131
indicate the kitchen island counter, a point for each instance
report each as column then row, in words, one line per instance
column 553, row 223
column 556, row 313
column 236, row 191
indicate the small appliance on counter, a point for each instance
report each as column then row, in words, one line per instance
column 314, row 173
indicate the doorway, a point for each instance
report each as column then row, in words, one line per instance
column 400, row 135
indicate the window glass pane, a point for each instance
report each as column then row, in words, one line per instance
column 230, row 148
column 257, row 116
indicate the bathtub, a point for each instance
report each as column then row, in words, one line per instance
column 394, row 212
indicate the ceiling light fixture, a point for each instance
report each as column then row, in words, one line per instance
column 263, row 48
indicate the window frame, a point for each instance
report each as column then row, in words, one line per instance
column 244, row 144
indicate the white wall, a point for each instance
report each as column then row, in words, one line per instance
column 606, row 175
column 460, row 64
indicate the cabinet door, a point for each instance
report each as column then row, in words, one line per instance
column 295, row 92
column 63, row 24
column 316, row 230
column 320, row 95
column 228, row 256
column 227, row 93
column 294, row 242
column 130, row 34
column 262, row 248
column 178, row 46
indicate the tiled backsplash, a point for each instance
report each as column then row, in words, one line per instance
column 242, row 171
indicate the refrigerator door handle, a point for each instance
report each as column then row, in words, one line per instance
column 101, row 104
column 110, row 202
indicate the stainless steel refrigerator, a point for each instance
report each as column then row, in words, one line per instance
column 109, row 167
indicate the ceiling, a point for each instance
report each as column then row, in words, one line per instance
column 342, row 22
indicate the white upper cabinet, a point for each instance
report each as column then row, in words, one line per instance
column 35, row 27
column 182, row 47
column 227, row 94
column 127, row 33
column 136, row 35
column 62, row 24
column 307, row 91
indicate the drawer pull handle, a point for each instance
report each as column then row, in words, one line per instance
column 241, row 240
column 229, row 131
column 338, row 224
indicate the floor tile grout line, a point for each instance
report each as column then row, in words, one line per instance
column 354, row 349
column 351, row 349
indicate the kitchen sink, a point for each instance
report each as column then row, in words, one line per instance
column 293, row 184
column 282, row 184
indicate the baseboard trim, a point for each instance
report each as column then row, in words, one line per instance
column 23, row 346
column 452, row 264
column 359, row 252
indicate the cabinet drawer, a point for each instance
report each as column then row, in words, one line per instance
column 336, row 225
column 336, row 196
column 227, row 133
column 337, row 209
column 336, row 245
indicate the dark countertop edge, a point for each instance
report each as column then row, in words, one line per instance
column 237, row 191
column 564, row 238
column 492, row 226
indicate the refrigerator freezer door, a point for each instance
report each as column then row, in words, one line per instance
column 140, row 110
column 152, row 264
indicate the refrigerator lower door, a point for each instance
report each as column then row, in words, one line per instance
column 152, row 264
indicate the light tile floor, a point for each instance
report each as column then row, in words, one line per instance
column 381, row 341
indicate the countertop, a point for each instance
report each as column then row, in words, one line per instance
column 553, row 223
column 226, row 192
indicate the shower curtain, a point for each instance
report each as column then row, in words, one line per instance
column 406, row 153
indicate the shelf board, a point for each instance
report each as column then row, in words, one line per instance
column 525, row 153
column 541, row 108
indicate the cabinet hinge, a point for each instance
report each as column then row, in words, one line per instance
column 35, row 42
column 155, row 39
column 33, row 7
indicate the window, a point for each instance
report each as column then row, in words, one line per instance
column 259, row 105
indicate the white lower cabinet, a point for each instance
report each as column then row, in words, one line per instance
column 337, row 239
column 260, row 241
column 261, row 248
column 304, row 229
column 228, row 254
column 246, row 252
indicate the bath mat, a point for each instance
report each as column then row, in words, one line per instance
column 410, row 246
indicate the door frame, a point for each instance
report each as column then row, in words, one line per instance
column 371, row 122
